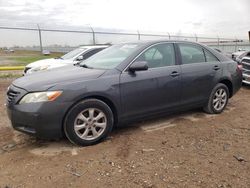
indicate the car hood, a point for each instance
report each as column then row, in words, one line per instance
column 238, row 53
column 44, row 80
column 49, row 62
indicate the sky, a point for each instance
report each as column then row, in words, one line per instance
column 223, row 18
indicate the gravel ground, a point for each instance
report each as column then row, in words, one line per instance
column 190, row 149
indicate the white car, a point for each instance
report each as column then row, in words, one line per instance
column 238, row 53
column 245, row 63
column 245, row 54
column 73, row 57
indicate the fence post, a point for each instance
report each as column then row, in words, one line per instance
column 169, row 37
column 40, row 38
column 93, row 34
column 218, row 41
column 139, row 35
column 196, row 38
column 235, row 49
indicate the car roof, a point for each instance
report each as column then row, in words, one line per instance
column 142, row 42
column 158, row 41
column 152, row 42
column 94, row 46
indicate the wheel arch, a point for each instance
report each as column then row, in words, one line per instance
column 107, row 101
column 104, row 99
column 229, row 85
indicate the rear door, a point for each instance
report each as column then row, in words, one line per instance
column 200, row 70
column 155, row 89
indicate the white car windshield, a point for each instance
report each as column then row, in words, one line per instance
column 110, row 57
column 73, row 53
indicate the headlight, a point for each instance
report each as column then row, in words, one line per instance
column 40, row 68
column 40, row 97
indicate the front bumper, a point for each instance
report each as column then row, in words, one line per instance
column 43, row 120
column 246, row 79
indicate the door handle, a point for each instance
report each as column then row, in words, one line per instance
column 174, row 74
column 216, row 67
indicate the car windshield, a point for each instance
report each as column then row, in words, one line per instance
column 110, row 57
column 73, row 53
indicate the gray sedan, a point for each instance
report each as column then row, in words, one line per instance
column 123, row 83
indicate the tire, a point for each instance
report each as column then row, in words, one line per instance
column 215, row 99
column 88, row 122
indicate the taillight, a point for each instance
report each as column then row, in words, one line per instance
column 240, row 67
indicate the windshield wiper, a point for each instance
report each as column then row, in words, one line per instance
column 58, row 58
column 85, row 66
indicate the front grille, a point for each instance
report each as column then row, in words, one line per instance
column 11, row 95
column 246, row 66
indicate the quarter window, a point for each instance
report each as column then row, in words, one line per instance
column 210, row 57
column 191, row 54
column 160, row 55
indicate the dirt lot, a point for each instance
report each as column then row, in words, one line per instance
column 190, row 149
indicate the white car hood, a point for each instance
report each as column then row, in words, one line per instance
column 52, row 63
column 236, row 54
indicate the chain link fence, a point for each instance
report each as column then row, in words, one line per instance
column 63, row 40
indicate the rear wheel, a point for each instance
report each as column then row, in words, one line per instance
column 218, row 99
column 88, row 122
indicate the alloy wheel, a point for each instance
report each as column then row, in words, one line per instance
column 220, row 99
column 90, row 123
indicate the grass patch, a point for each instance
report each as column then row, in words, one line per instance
column 24, row 60
column 10, row 75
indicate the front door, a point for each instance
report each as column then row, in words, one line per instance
column 155, row 89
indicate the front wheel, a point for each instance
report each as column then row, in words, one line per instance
column 88, row 122
column 218, row 99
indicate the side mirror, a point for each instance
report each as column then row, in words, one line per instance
column 80, row 58
column 138, row 66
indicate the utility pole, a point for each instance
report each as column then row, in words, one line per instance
column 236, row 42
column 169, row 36
column 218, row 41
column 139, row 35
column 40, row 38
column 196, row 38
column 93, row 33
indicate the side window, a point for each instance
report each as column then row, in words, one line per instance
column 191, row 54
column 153, row 53
column 160, row 55
column 91, row 52
column 210, row 57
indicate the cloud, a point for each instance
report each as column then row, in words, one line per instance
column 213, row 17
